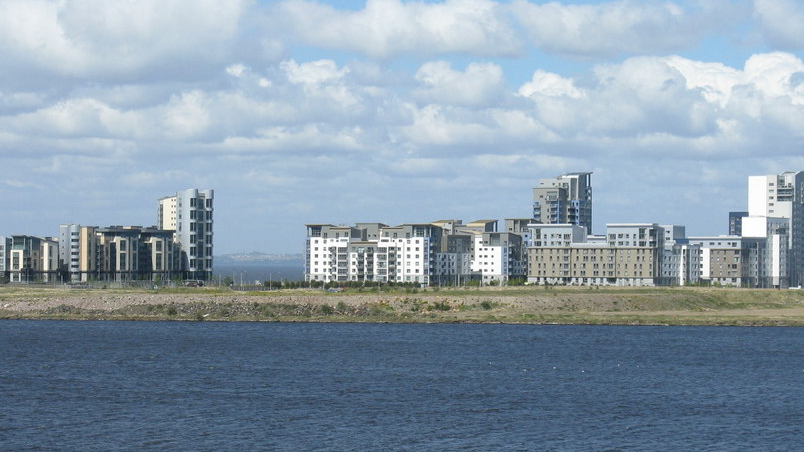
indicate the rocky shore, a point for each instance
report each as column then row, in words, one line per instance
column 646, row 306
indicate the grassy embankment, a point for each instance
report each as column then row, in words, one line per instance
column 536, row 305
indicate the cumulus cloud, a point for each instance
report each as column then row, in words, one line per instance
column 617, row 28
column 103, row 39
column 665, row 102
column 388, row 28
column 781, row 22
column 482, row 84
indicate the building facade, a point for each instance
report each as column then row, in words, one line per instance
column 629, row 255
column 5, row 256
column 736, row 222
column 566, row 199
column 33, row 259
column 189, row 214
column 70, row 249
column 782, row 196
column 445, row 252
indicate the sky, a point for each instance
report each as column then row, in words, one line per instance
column 391, row 111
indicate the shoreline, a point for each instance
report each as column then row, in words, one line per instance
column 508, row 305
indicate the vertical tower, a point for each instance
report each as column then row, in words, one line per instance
column 782, row 196
column 736, row 222
column 564, row 199
column 5, row 256
column 69, row 250
column 189, row 215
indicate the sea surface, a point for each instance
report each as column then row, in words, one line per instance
column 254, row 274
column 164, row 386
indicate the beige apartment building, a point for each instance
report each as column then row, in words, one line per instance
column 563, row 254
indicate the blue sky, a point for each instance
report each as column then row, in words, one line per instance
column 303, row 111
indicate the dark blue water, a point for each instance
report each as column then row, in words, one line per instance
column 266, row 386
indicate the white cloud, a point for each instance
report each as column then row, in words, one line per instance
column 236, row 70
column 672, row 100
column 547, row 84
column 617, row 28
column 388, row 28
column 482, row 84
column 101, row 38
column 313, row 74
column 781, row 22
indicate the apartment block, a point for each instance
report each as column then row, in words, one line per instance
column 680, row 261
column 629, row 255
column 190, row 214
column 724, row 260
column 5, row 256
column 69, row 249
column 444, row 252
column 33, row 259
column 782, row 196
column 566, row 199
column 769, row 252
column 498, row 257
column 736, row 222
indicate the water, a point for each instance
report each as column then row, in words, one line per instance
column 266, row 386
column 249, row 274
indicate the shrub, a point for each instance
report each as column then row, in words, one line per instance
column 440, row 306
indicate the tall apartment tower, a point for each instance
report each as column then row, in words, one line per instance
column 736, row 222
column 5, row 256
column 782, row 196
column 564, row 199
column 69, row 249
column 189, row 214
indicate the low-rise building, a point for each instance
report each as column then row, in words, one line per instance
column 724, row 260
column 33, row 259
column 628, row 255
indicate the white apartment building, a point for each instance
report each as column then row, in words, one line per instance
column 69, row 249
column 327, row 252
column 342, row 253
column 780, row 196
column 418, row 253
column 498, row 257
column 189, row 213
column 33, row 259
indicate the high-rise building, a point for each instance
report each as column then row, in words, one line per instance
column 782, row 196
column 566, row 199
column 69, row 249
column 736, row 222
column 5, row 256
column 189, row 214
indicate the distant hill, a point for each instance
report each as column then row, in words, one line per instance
column 257, row 258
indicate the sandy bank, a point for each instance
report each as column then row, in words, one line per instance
column 679, row 306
